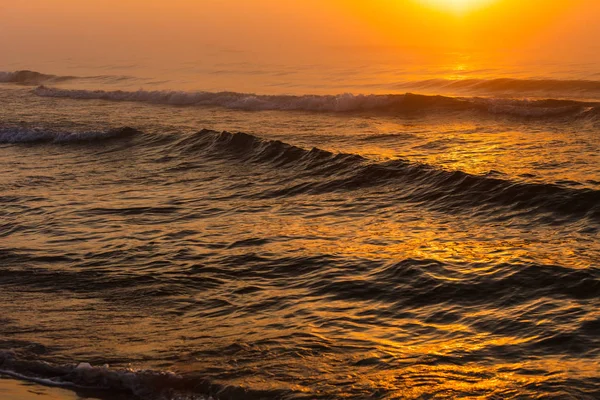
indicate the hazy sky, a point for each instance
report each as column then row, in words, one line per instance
column 187, row 29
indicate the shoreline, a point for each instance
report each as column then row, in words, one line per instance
column 13, row 389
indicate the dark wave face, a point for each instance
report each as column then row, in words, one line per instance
column 388, row 247
column 24, row 135
column 408, row 182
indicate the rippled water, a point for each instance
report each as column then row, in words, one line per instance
column 374, row 246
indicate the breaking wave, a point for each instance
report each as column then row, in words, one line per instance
column 144, row 384
column 392, row 103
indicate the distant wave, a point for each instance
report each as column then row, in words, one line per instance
column 33, row 78
column 527, row 87
column 27, row 77
column 579, row 87
column 32, row 135
column 393, row 103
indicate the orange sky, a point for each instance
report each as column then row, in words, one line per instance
column 293, row 28
column 495, row 26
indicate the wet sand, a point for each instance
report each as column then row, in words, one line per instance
column 18, row 390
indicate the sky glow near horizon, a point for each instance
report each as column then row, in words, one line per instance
column 457, row 6
column 179, row 30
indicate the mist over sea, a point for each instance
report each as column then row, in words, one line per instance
column 306, row 230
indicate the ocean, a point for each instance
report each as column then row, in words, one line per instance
column 241, row 231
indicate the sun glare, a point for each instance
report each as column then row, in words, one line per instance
column 456, row 6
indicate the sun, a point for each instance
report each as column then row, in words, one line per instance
column 456, row 6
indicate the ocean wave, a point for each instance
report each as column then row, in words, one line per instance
column 34, row 78
column 143, row 384
column 579, row 87
column 27, row 77
column 37, row 135
column 318, row 171
column 342, row 103
column 428, row 282
column 412, row 182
